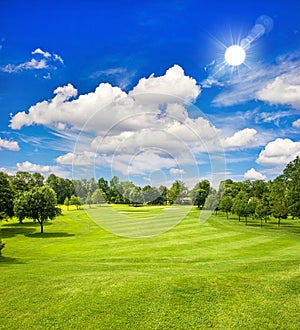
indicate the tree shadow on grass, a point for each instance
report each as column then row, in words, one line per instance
column 49, row 235
column 8, row 260
column 7, row 231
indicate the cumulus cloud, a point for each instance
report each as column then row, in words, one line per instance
column 173, row 86
column 133, row 133
column 45, row 62
column 284, row 89
column 245, row 138
column 252, row 174
column 279, row 152
column 176, row 171
column 83, row 159
column 30, row 167
column 9, row 145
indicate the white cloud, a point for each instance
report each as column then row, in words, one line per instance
column 34, row 64
column 245, row 138
column 46, row 170
column 112, row 126
column 30, row 167
column 252, row 174
column 250, row 81
column 41, row 52
column 284, row 89
column 9, row 145
column 58, row 58
column 296, row 123
column 84, row 159
column 176, row 171
column 279, row 152
column 172, row 87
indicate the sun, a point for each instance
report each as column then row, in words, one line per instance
column 235, row 55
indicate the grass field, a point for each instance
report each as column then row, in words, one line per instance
column 219, row 274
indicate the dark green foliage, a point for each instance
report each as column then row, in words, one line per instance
column 226, row 204
column 278, row 201
column 2, row 245
column 200, row 192
column 292, row 179
column 62, row 187
column 38, row 204
column 240, row 203
column 6, row 197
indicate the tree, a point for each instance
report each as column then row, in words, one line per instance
column 278, row 201
column 292, row 178
column 136, row 196
column 251, row 207
column 103, row 185
column 6, row 197
column 88, row 199
column 212, row 201
column 97, row 197
column 262, row 210
column 67, row 202
column 151, row 195
column 200, row 192
column 62, row 187
column 240, row 204
column 74, row 200
column 22, row 181
column 38, row 204
column 225, row 205
column 177, row 193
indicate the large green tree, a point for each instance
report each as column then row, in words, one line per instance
column 200, row 192
column 292, row 179
column 62, row 187
column 240, row 204
column 39, row 204
column 6, row 197
column 177, row 193
column 278, row 200
column 98, row 197
column 226, row 203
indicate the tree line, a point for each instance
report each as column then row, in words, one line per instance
column 27, row 195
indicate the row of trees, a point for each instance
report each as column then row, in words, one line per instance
column 259, row 199
column 28, row 195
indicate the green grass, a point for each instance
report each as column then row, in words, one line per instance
column 219, row 274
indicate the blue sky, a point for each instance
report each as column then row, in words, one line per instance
column 142, row 89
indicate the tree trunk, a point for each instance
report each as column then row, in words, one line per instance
column 227, row 215
column 246, row 220
column 239, row 218
column 42, row 226
column 278, row 221
column 261, row 222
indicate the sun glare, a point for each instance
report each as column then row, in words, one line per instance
column 235, row 55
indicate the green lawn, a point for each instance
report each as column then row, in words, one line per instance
column 218, row 274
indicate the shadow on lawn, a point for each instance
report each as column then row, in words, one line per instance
column 8, row 260
column 49, row 235
column 11, row 231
